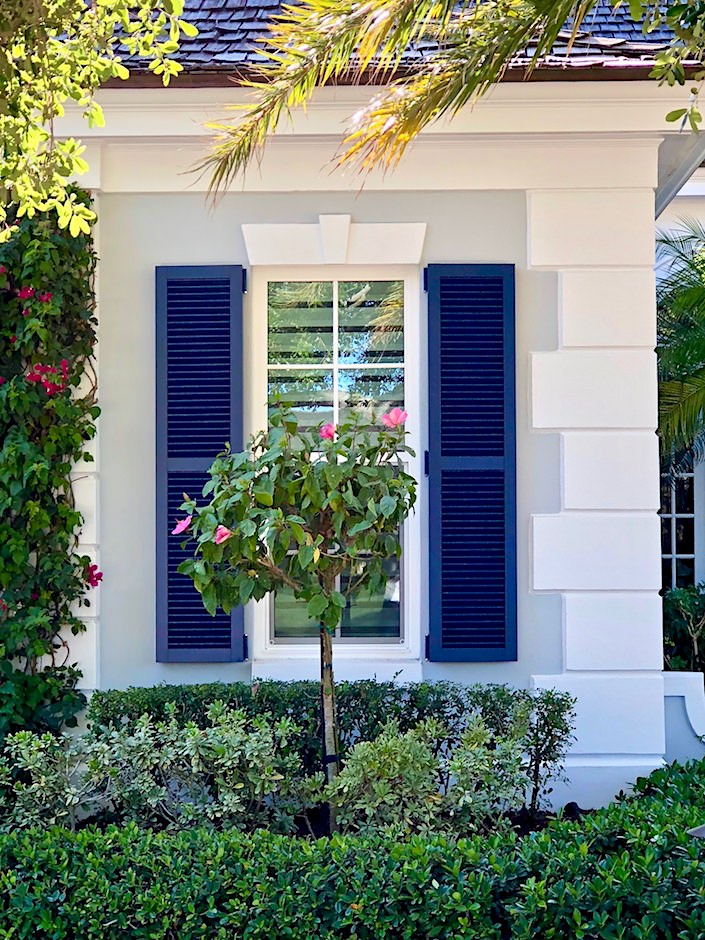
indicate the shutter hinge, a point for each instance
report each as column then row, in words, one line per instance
column 425, row 463
column 425, row 279
column 245, row 648
column 244, row 280
column 428, row 646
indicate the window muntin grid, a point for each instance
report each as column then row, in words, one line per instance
column 678, row 531
column 334, row 347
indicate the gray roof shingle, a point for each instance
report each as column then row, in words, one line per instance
column 229, row 29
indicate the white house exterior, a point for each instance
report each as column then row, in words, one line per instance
column 556, row 179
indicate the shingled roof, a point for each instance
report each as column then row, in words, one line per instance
column 228, row 31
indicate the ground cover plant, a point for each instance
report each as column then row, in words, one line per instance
column 628, row 871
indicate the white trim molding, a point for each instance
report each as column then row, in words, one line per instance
column 689, row 686
column 335, row 239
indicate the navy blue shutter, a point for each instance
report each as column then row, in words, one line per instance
column 472, row 463
column 199, row 408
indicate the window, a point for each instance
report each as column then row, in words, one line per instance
column 678, row 501
column 334, row 347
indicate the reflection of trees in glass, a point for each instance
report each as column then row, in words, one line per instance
column 309, row 393
column 300, row 321
column 371, row 319
column 373, row 391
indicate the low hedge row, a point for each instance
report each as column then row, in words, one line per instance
column 364, row 708
column 629, row 871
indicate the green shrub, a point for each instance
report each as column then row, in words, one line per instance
column 628, row 871
column 391, row 782
column 418, row 782
column 364, row 708
column 684, row 628
column 236, row 772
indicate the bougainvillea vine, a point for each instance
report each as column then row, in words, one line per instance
column 47, row 416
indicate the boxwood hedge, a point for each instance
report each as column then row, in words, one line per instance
column 628, row 871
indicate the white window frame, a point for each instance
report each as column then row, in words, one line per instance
column 257, row 615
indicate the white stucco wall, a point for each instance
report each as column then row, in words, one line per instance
column 139, row 232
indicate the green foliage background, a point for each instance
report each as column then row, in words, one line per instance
column 43, row 433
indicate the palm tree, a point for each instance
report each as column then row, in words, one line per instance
column 681, row 344
column 467, row 45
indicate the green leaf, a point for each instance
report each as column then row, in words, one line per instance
column 316, row 606
column 676, row 115
column 338, row 599
column 359, row 527
column 387, row 505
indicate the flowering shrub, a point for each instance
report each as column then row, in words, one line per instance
column 47, row 414
column 301, row 509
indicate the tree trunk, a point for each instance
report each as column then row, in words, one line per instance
column 331, row 758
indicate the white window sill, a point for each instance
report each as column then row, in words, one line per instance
column 345, row 668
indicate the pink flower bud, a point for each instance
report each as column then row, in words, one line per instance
column 222, row 534
column 24, row 293
column 46, row 296
column 327, row 432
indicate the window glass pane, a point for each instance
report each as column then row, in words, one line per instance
column 684, row 494
column 371, row 321
column 666, row 574
column 665, row 536
column 665, row 496
column 300, row 322
column 290, row 616
column 309, row 392
column 374, row 615
column 370, row 391
column 685, row 536
column 685, row 572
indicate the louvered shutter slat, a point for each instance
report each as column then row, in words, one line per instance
column 472, row 474
column 199, row 408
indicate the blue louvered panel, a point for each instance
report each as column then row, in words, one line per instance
column 198, row 366
column 472, row 377
column 471, row 463
column 472, row 547
column 199, row 409
column 189, row 623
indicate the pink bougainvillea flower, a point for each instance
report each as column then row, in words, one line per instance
column 35, row 595
column 2, row 380
column 394, row 418
column 222, row 534
column 181, row 525
column 13, row 339
column 93, row 576
column 26, row 313
column 46, row 296
column 3, row 269
column 327, row 432
column 24, row 293
column 3, row 606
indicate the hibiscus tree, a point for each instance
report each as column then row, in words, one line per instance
column 308, row 510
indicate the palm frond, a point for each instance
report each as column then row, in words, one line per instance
column 318, row 41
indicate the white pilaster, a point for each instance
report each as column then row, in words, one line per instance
column 601, row 552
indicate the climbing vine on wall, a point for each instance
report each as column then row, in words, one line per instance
column 47, row 416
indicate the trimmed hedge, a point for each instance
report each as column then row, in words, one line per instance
column 364, row 708
column 629, row 871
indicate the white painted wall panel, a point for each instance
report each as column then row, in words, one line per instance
column 591, row 228
column 604, row 307
column 594, row 389
column 613, row 631
column 610, row 470
column 615, row 714
column 596, row 551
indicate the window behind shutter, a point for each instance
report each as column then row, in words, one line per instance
column 199, row 408
column 472, row 463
